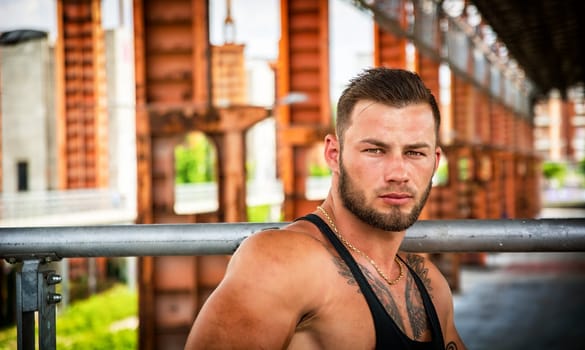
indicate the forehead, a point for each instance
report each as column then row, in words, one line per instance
column 373, row 119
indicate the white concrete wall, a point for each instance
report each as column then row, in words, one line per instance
column 25, row 89
column 121, row 112
column 261, row 138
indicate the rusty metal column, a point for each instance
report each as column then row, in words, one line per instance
column 172, row 77
column 81, row 95
column 442, row 201
column 229, row 135
column 498, row 124
column 389, row 49
column 303, row 67
column 172, row 96
column 428, row 69
column 463, row 110
column 483, row 118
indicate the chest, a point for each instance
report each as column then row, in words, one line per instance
column 344, row 319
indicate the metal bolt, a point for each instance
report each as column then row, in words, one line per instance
column 54, row 298
column 54, row 278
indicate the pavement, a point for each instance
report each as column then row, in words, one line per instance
column 523, row 301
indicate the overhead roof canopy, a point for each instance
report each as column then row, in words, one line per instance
column 545, row 37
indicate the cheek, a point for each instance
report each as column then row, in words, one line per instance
column 361, row 168
column 425, row 172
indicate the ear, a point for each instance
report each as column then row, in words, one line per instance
column 332, row 152
column 438, row 152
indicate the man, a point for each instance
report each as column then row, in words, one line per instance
column 335, row 279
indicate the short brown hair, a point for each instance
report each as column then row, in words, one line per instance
column 392, row 87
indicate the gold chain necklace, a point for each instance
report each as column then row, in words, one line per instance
column 355, row 249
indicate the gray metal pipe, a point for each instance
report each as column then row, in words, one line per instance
column 432, row 236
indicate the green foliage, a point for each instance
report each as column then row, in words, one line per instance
column 8, row 338
column 259, row 213
column 319, row 170
column 250, row 170
column 441, row 177
column 195, row 160
column 554, row 170
column 463, row 166
column 94, row 323
column 581, row 167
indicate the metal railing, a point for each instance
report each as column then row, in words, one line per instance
column 33, row 248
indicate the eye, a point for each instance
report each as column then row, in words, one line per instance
column 412, row 153
column 374, row 150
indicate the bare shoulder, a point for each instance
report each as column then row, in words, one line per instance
column 278, row 260
column 289, row 248
column 266, row 291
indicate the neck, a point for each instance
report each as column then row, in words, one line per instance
column 378, row 244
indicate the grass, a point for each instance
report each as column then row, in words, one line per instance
column 103, row 321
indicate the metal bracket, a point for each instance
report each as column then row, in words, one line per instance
column 35, row 292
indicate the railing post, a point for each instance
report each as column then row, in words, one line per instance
column 35, row 292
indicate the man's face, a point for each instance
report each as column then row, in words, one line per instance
column 387, row 162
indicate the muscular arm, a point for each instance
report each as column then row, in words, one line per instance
column 261, row 299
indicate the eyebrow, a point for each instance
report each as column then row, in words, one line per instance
column 381, row 144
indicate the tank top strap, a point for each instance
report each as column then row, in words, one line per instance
column 382, row 321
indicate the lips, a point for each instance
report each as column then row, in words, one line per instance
column 396, row 198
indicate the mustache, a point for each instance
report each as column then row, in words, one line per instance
column 396, row 188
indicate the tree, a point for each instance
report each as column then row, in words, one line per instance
column 195, row 160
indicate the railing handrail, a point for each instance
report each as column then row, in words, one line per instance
column 509, row 235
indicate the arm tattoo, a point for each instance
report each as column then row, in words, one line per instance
column 451, row 346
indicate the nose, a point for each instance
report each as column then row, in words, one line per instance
column 395, row 169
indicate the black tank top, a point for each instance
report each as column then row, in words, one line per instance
column 388, row 334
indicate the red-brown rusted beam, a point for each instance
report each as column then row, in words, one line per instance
column 81, row 95
column 303, row 67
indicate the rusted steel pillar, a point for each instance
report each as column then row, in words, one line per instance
column 172, row 96
column 303, row 67
column 509, row 168
column 464, row 114
column 478, row 193
column 428, row 69
column 172, row 76
column 445, row 198
column 81, row 95
column 498, row 124
column 441, row 201
column 389, row 49
column 482, row 116
column 229, row 134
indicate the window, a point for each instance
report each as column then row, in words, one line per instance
column 22, row 169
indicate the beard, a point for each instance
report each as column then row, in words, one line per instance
column 355, row 201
